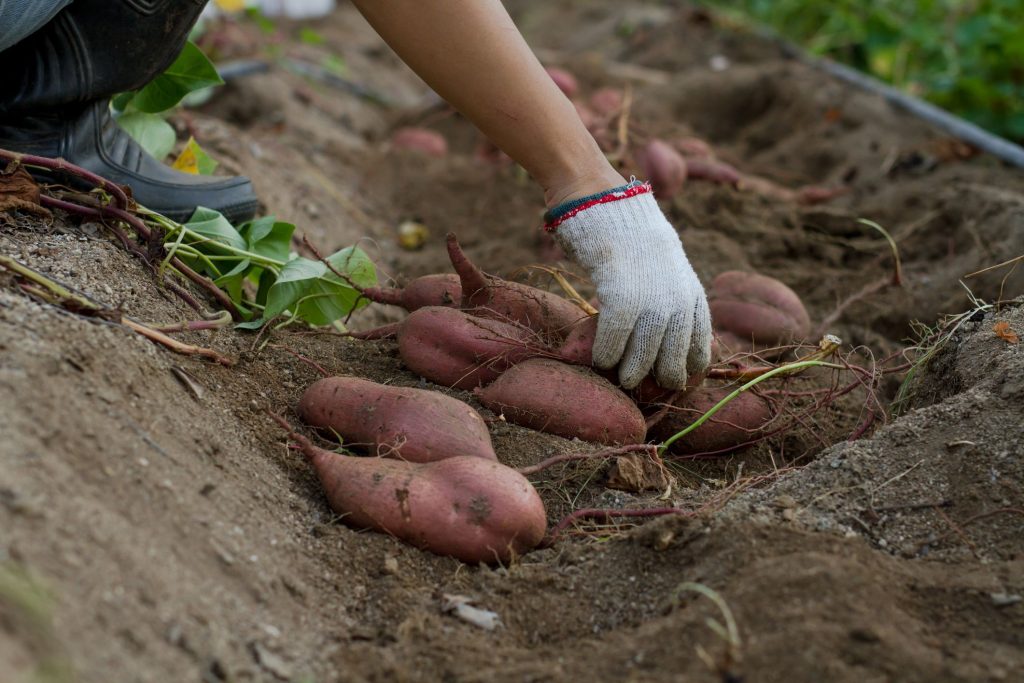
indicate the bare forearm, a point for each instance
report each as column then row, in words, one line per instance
column 473, row 55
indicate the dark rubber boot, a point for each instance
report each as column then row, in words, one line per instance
column 57, row 83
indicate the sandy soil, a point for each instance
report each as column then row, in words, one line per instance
column 148, row 533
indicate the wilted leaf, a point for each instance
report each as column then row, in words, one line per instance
column 194, row 159
column 230, row 5
column 149, row 130
column 1005, row 332
column 19, row 191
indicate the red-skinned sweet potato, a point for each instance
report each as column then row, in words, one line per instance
column 565, row 81
column 469, row 508
column 664, row 167
column 693, row 148
column 424, row 140
column 551, row 396
column 454, row 349
column 740, row 421
column 606, row 102
column 547, row 314
column 748, row 308
column 401, row 422
column 442, row 289
column 712, row 170
column 577, row 349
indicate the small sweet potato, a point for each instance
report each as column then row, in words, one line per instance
column 465, row 507
column 423, row 140
column 454, row 349
column 740, row 421
column 712, row 170
column 547, row 314
column 565, row 81
column 411, row 424
column 442, row 289
column 562, row 399
column 606, row 102
column 756, row 309
column 693, row 148
column 664, row 167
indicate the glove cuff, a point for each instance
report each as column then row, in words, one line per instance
column 566, row 210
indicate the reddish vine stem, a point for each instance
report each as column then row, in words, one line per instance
column 568, row 457
column 115, row 191
column 308, row 361
column 606, row 514
column 147, row 234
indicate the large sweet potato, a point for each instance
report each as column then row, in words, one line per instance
column 455, row 349
column 544, row 312
column 551, row 396
column 465, row 507
column 750, row 309
column 740, row 421
column 400, row 422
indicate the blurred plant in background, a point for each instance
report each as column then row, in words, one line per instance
column 964, row 55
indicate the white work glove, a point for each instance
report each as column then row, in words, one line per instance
column 654, row 313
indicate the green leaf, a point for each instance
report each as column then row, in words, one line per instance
column 214, row 226
column 191, row 71
column 310, row 37
column 149, row 130
column 119, row 102
column 318, row 296
column 268, row 237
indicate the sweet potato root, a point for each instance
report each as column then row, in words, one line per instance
column 570, row 401
column 749, row 308
column 664, row 167
column 712, row 170
column 548, row 314
column 740, row 421
column 465, row 507
column 454, row 349
column 423, row 140
column 399, row 422
column 577, row 349
column 565, row 81
column 442, row 289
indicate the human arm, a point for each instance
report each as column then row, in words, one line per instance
column 654, row 313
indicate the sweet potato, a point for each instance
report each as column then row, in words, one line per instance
column 562, row 399
column 664, row 167
column 577, row 349
column 412, row 424
column 756, row 309
column 442, row 289
column 565, row 81
column 423, row 140
column 465, row 507
column 740, row 421
column 693, row 148
column 606, row 102
column 454, row 349
column 548, row 314
column 712, row 170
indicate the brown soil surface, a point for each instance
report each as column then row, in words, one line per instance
column 150, row 534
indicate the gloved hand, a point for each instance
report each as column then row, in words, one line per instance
column 654, row 313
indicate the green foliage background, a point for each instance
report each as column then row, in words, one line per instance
column 964, row 55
